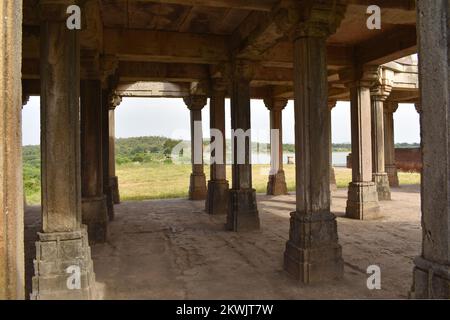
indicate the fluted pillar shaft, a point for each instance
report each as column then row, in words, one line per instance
column 12, row 270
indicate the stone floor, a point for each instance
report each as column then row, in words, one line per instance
column 171, row 249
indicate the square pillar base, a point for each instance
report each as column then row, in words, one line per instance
column 333, row 184
column 243, row 211
column 313, row 253
column 430, row 280
column 95, row 217
column 277, row 184
column 56, row 253
column 392, row 173
column 197, row 187
column 382, row 182
column 218, row 197
column 362, row 203
column 114, row 185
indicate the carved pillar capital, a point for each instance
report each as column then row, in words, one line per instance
column 366, row 76
column 318, row 19
column 275, row 104
column 195, row 103
column 114, row 101
column 219, row 86
column 383, row 85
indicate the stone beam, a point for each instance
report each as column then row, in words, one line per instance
column 151, row 71
column 181, row 48
column 154, row 90
column 281, row 56
column 395, row 44
column 389, row 4
column 258, row 5
column 147, row 45
column 261, row 31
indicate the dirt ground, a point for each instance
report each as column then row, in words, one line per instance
column 171, row 249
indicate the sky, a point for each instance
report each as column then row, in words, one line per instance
column 137, row 117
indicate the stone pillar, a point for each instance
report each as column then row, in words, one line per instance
column 313, row 253
column 379, row 95
column 243, row 211
column 333, row 184
column 12, row 272
column 389, row 144
column 105, row 154
column 115, row 101
column 218, row 187
column 362, row 200
column 63, row 243
column 277, row 180
column 94, row 207
column 432, row 267
column 197, row 187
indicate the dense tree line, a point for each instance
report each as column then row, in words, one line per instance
column 148, row 150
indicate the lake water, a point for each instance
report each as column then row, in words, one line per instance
column 339, row 158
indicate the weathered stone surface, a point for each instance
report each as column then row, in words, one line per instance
column 333, row 184
column 197, row 187
column 313, row 253
column 243, row 211
column 114, row 185
column 362, row 202
column 55, row 253
column 277, row 184
column 12, row 273
column 94, row 207
column 382, row 183
column 95, row 217
column 218, row 197
column 316, row 258
column 432, row 268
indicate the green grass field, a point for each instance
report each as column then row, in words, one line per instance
column 146, row 181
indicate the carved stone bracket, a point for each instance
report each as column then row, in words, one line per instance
column 195, row 102
column 114, row 101
column 275, row 104
column 318, row 19
column 383, row 85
